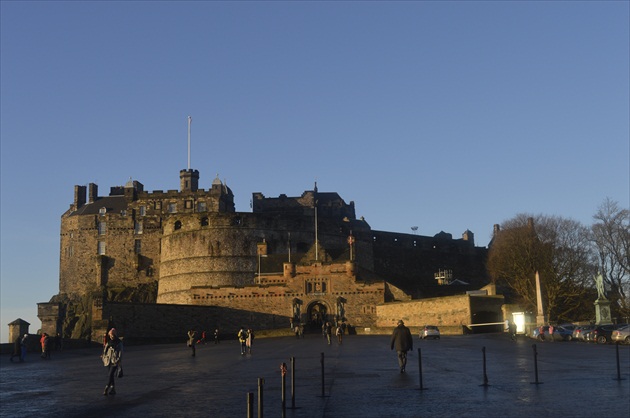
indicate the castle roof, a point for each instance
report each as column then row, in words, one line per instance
column 114, row 204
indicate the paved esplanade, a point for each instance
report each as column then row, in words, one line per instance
column 361, row 380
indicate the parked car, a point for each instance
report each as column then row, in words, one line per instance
column 538, row 335
column 560, row 333
column 570, row 327
column 580, row 332
column 622, row 335
column 602, row 334
column 430, row 331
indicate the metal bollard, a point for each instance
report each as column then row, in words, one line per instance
column 420, row 368
column 283, row 373
column 485, row 375
column 292, row 382
column 261, row 384
column 250, row 405
column 535, row 365
column 323, row 386
column 618, row 368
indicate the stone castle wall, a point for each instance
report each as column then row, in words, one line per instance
column 149, row 322
column 451, row 314
column 410, row 261
column 197, row 251
column 222, row 250
column 343, row 296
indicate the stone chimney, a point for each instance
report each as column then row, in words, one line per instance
column 92, row 192
column 79, row 196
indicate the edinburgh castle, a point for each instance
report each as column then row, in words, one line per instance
column 156, row 263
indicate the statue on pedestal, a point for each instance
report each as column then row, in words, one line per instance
column 602, row 305
column 601, row 290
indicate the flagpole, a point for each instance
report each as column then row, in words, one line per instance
column 189, row 121
column 316, row 250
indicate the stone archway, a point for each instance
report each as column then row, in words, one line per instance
column 316, row 313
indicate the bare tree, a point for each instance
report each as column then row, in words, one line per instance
column 611, row 235
column 558, row 248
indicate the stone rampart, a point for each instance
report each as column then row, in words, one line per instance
column 452, row 314
column 143, row 323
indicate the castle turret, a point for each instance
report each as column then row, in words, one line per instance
column 188, row 180
column 469, row 236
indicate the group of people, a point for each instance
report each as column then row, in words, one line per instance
column 245, row 337
column 19, row 348
column 193, row 340
column 327, row 332
column 46, row 342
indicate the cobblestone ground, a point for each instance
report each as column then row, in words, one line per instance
column 361, row 379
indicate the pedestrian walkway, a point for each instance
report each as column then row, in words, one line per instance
column 361, row 379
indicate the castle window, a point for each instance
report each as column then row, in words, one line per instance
column 157, row 205
column 102, row 227
column 204, row 221
column 137, row 246
column 188, row 204
column 102, row 211
column 172, row 207
column 202, row 207
column 137, row 227
column 100, row 249
column 178, row 225
column 143, row 210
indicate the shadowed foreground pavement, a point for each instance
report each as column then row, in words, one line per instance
column 361, row 380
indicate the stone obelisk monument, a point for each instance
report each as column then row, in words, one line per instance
column 540, row 316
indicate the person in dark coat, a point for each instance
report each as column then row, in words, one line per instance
column 402, row 342
column 192, row 340
column 17, row 349
column 23, row 345
column 112, row 359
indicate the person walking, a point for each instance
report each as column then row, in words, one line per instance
column 328, row 331
column 41, row 342
column 216, row 336
column 512, row 330
column 402, row 342
column 112, row 359
column 339, row 333
column 17, row 350
column 250, row 339
column 242, row 338
column 47, row 347
column 23, row 343
column 58, row 342
column 192, row 340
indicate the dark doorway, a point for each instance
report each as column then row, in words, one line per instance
column 317, row 313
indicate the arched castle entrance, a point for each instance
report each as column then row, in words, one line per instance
column 316, row 313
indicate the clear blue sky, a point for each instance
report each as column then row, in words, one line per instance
column 443, row 115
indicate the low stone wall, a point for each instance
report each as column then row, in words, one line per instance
column 451, row 314
column 141, row 323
